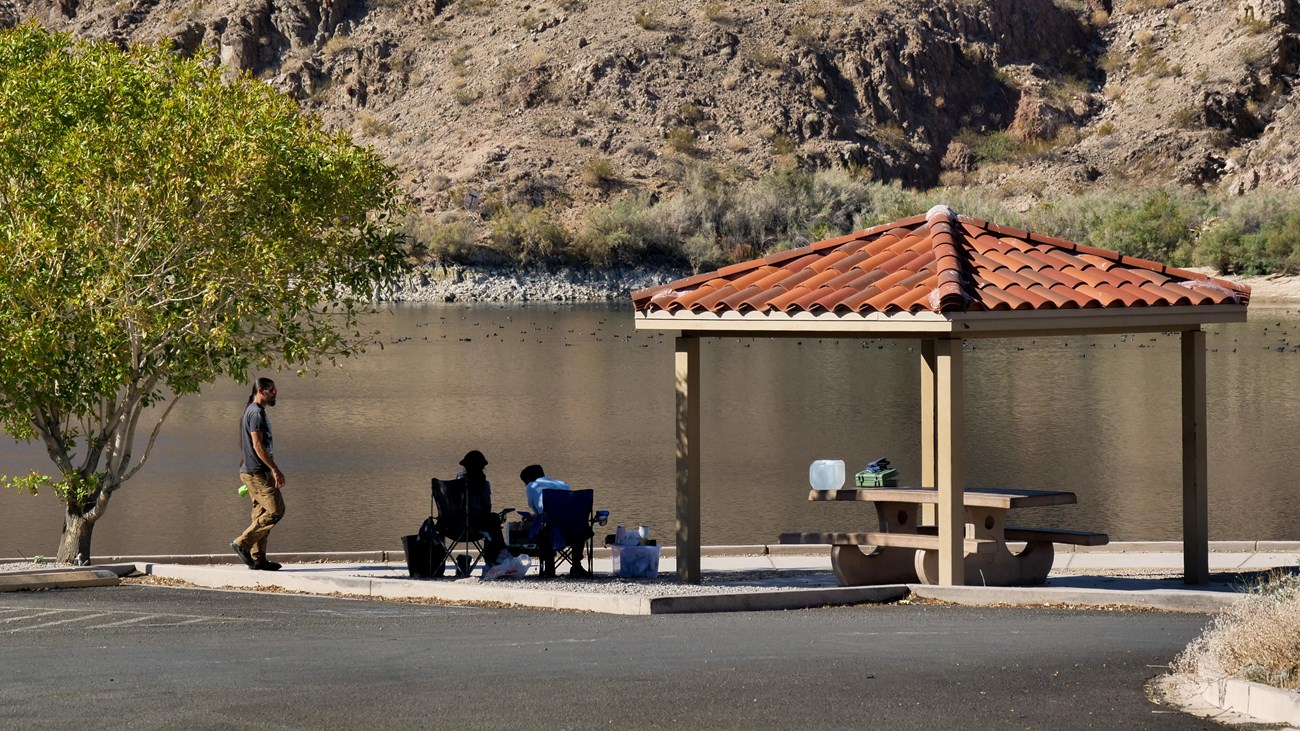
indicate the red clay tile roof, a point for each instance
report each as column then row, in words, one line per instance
column 940, row 262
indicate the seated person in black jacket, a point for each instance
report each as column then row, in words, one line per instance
column 479, row 495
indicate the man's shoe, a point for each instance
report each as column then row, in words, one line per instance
column 265, row 566
column 578, row 572
column 244, row 555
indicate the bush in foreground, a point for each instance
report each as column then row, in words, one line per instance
column 1258, row 639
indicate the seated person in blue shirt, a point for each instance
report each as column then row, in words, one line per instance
column 535, row 480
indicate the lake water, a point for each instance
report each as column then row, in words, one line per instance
column 578, row 390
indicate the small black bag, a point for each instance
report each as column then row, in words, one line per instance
column 426, row 556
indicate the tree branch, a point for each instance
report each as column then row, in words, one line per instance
column 153, row 437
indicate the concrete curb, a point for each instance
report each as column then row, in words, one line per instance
column 1169, row 600
column 1261, row 702
column 382, row 574
column 777, row 600
column 307, row 580
column 397, row 587
column 502, row 593
column 121, row 569
column 668, row 551
column 58, row 580
column 506, row 593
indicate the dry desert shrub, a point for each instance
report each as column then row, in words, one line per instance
column 1258, row 639
column 478, row 7
column 718, row 12
column 682, row 140
column 600, row 172
column 649, row 17
column 1137, row 6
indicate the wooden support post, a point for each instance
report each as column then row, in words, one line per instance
column 928, row 418
column 1196, row 530
column 687, row 360
column 951, row 473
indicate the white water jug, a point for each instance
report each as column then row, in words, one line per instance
column 826, row 474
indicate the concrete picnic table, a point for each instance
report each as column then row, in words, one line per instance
column 907, row 552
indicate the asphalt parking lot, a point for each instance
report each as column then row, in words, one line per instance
column 159, row 657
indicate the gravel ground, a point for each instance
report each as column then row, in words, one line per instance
column 731, row 582
column 740, row 582
column 30, row 565
column 665, row 585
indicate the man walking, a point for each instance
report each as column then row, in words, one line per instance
column 261, row 476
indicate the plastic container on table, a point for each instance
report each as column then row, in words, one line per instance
column 826, row 474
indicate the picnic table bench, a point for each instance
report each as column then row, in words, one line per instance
column 903, row 551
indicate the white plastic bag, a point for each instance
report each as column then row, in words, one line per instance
column 517, row 567
column 509, row 567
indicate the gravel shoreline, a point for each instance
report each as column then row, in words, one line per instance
column 465, row 284
column 453, row 283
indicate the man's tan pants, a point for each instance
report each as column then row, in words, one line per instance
column 268, row 509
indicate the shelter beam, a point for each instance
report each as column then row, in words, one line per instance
column 1196, row 531
column 950, row 473
column 928, row 430
column 687, row 362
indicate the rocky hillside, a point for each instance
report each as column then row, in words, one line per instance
column 573, row 103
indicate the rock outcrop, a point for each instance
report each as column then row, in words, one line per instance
column 519, row 99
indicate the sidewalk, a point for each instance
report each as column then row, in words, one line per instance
column 736, row 578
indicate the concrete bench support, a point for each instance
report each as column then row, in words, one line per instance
column 894, row 559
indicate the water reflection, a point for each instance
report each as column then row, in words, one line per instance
column 578, row 390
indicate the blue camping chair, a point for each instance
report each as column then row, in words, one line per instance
column 564, row 525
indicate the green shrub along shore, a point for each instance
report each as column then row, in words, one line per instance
column 714, row 219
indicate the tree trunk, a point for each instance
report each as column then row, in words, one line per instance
column 74, row 546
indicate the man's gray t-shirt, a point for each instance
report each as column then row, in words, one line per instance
column 254, row 420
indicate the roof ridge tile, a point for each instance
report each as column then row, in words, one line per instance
column 1013, row 232
column 1053, row 241
column 1108, row 254
column 1133, row 261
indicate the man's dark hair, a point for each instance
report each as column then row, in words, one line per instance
column 531, row 472
column 260, row 384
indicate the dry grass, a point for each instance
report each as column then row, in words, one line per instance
column 718, row 12
column 649, row 17
column 682, row 139
column 478, row 7
column 600, row 172
column 1258, row 639
column 372, row 126
column 1137, row 6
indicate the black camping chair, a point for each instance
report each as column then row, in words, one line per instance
column 461, row 519
column 565, row 524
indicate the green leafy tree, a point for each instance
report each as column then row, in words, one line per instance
column 161, row 228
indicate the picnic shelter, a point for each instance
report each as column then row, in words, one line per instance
column 942, row 278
